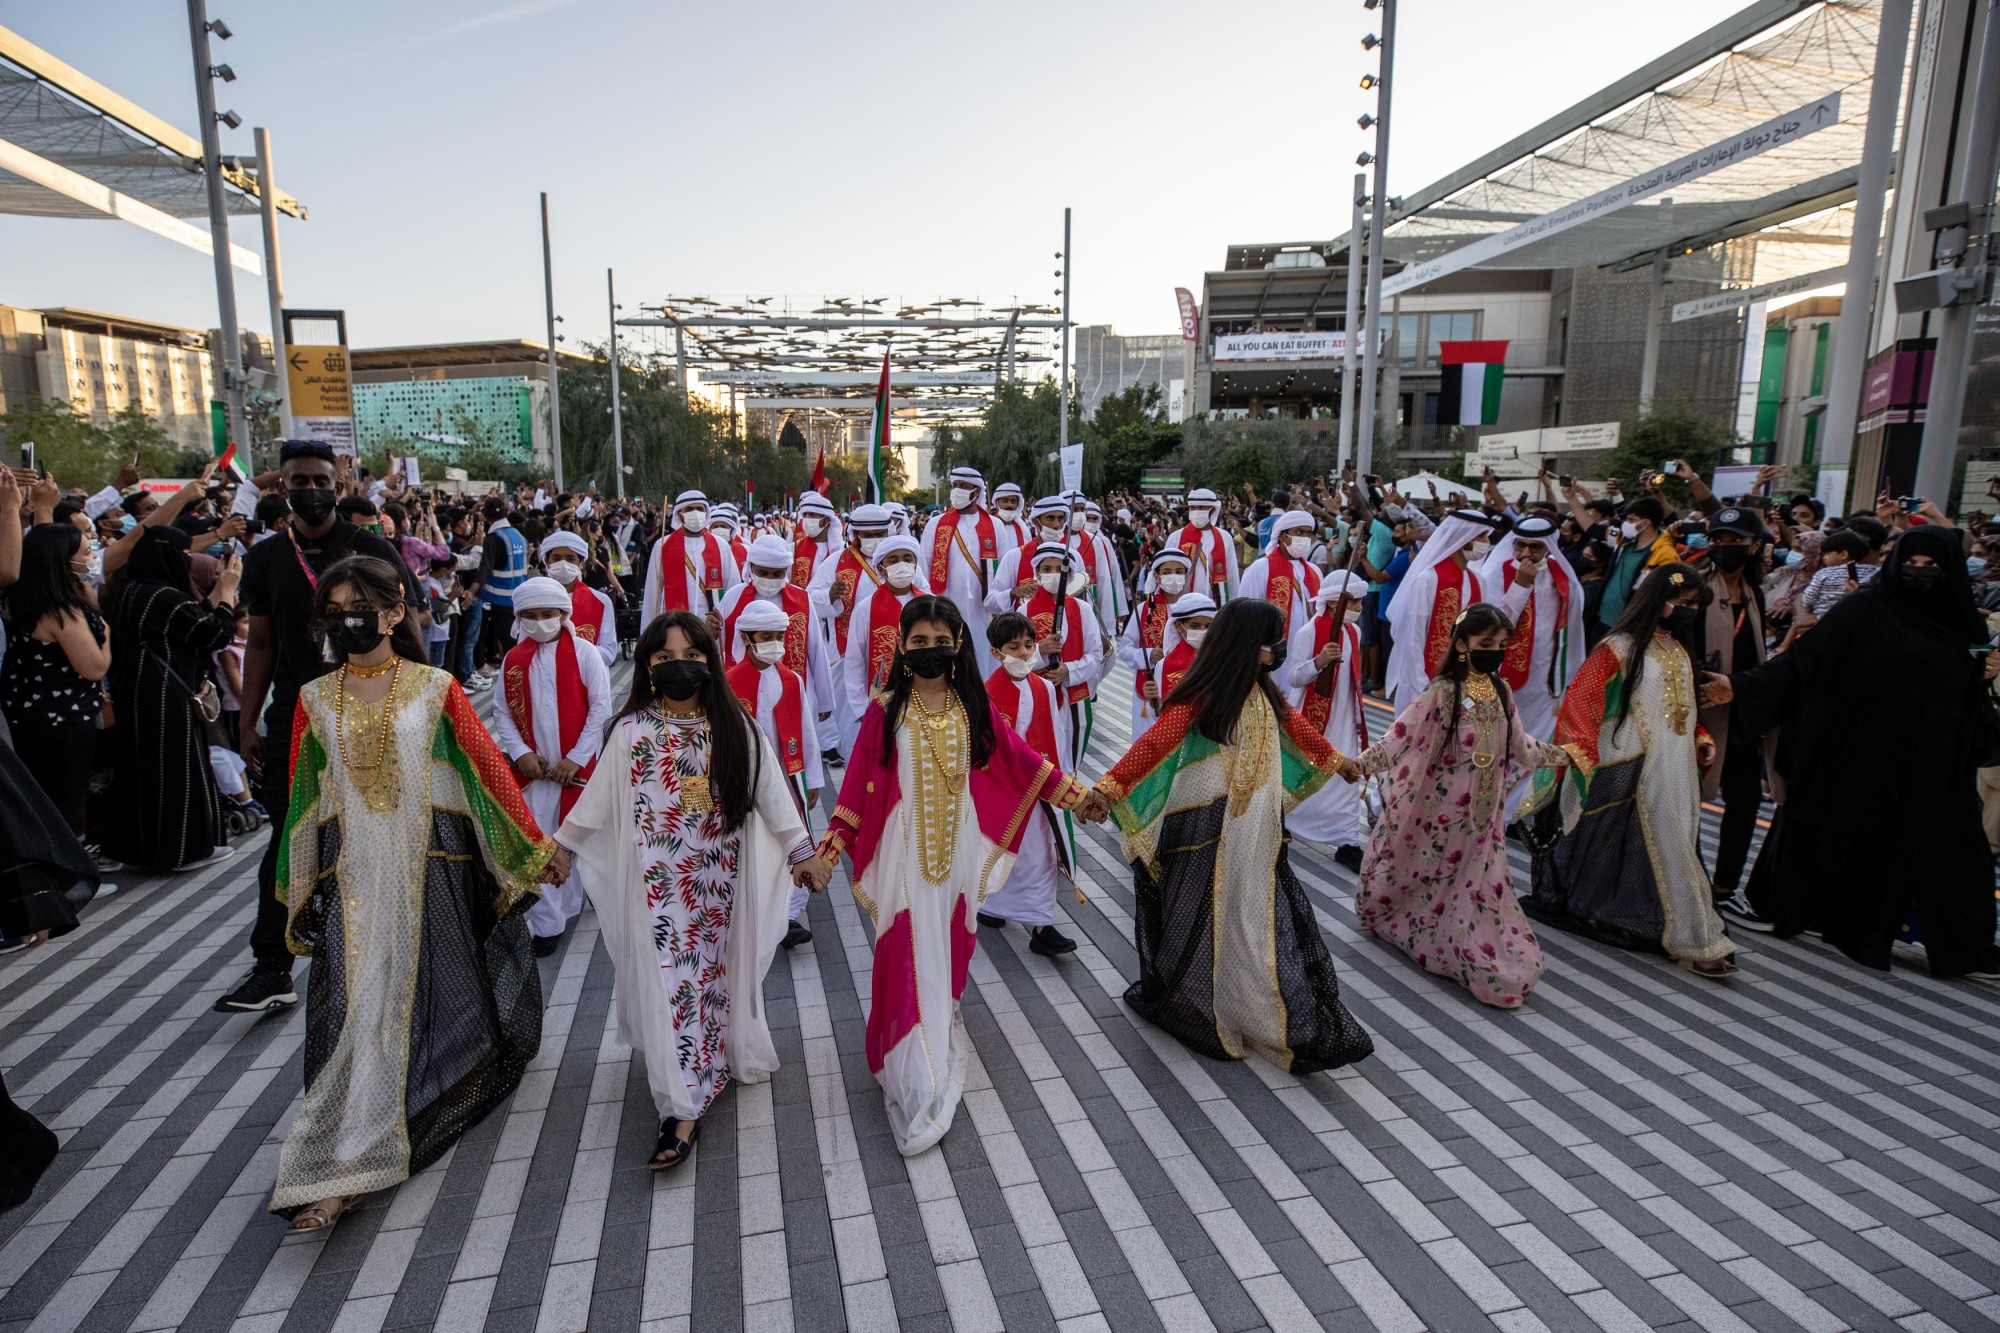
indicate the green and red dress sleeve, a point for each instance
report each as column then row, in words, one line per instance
column 1597, row 689
column 513, row 844
column 1151, row 750
column 307, row 762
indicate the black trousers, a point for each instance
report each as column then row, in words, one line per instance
column 59, row 756
column 496, row 634
column 274, row 790
column 1741, row 792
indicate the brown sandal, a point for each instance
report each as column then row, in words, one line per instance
column 321, row 1215
column 1714, row 971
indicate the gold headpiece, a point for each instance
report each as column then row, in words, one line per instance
column 1676, row 580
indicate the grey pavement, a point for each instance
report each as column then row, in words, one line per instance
column 1808, row 1146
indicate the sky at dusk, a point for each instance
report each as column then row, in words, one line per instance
column 906, row 150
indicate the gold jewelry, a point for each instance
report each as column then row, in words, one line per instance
column 369, row 673
column 1674, row 681
column 682, row 716
column 1479, row 688
column 697, row 798
column 379, row 778
column 941, row 768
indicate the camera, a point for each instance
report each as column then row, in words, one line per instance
column 253, row 527
column 1566, row 479
column 1911, row 503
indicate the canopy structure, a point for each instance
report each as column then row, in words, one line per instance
column 947, row 355
column 1752, row 130
column 72, row 148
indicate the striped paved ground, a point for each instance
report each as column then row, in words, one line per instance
column 1809, row 1146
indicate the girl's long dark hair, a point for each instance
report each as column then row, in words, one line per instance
column 381, row 587
column 48, row 586
column 1642, row 616
column 1477, row 619
column 964, row 678
column 729, row 761
column 1226, row 668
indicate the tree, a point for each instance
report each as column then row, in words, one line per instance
column 1668, row 432
column 1130, row 431
column 78, row 452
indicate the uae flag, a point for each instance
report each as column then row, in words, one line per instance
column 1470, row 392
column 878, row 436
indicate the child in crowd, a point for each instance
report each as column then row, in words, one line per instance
column 438, row 583
column 1841, row 572
column 1033, row 707
column 778, row 698
column 229, row 682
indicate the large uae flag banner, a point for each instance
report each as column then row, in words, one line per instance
column 1469, row 390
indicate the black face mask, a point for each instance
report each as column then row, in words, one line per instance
column 1486, row 661
column 1277, row 651
column 930, row 663
column 1920, row 577
column 312, row 507
column 1729, row 559
column 678, row 680
column 1681, row 619
column 354, row 632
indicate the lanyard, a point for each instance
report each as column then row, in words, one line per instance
column 312, row 579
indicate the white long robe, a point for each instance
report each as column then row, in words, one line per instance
column 655, row 597
column 770, row 687
column 559, row 902
column 1029, row 895
column 854, row 665
column 1410, row 618
column 1333, row 814
column 962, row 583
column 600, row 831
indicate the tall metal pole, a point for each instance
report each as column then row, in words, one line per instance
column 549, row 298
column 617, row 402
column 1345, row 447
column 274, row 280
column 681, row 361
column 1385, row 87
column 228, row 359
column 1062, row 431
column 1649, row 357
column 1878, row 150
column 1976, row 173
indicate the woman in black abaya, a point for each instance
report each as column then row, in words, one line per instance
column 169, row 814
column 1890, row 674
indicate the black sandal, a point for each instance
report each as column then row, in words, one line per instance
column 669, row 1142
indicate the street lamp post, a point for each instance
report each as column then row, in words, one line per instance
column 1352, row 321
column 274, row 278
column 1062, row 430
column 617, row 403
column 549, row 299
column 1370, row 357
column 227, row 359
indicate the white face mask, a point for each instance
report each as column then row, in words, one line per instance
column 767, row 587
column 1298, row 547
column 1194, row 637
column 1009, row 512
column 1050, row 534
column 694, row 520
column 1076, row 522
column 1092, row 523
column 1173, row 584
column 1017, row 667
column 1051, row 581
column 1478, row 551
column 1201, row 518
column 541, row 631
column 1628, row 530
column 812, row 527
column 773, row 651
column 93, row 566
column 900, row 575
column 565, row 571
column 961, row 497
column 868, row 545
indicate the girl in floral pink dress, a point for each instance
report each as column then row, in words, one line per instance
column 1435, row 882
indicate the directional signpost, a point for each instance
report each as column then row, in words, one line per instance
column 320, row 392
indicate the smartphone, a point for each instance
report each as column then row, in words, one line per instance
column 28, row 456
column 1566, row 479
column 1912, row 503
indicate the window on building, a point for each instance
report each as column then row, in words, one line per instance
column 1448, row 326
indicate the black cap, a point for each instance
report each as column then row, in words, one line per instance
column 1741, row 521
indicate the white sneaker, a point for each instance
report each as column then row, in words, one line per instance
column 215, row 858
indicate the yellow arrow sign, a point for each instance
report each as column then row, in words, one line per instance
column 317, row 376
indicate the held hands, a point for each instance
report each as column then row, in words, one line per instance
column 1096, row 808
column 1714, row 690
column 814, row 873
column 558, row 868
column 1348, row 769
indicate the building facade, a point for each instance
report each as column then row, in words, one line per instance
column 1108, row 362
column 445, row 401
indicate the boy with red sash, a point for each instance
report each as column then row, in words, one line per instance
column 564, row 555
column 805, row 646
column 839, row 585
column 871, row 634
column 1069, row 639
column 1009, row 509
column 962, row 548
column 1027, row 701
column 1283, row 576
column 1537, row 588
column 1322, row 673
column 690, row 568
column 776, row 696
column 1143, row 645
column 1208, row 546
column 1443, row 581
column 817, row 538
column 727, row 522
column 1098, row 559
column 1187, row 626
column 555, row 697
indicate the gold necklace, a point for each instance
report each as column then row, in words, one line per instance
column 1479, row 688
column 941, row 771
column 378, row 779
column 369, row 673
column 697, row 797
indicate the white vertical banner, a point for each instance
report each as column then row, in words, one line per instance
column 1072, row 467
